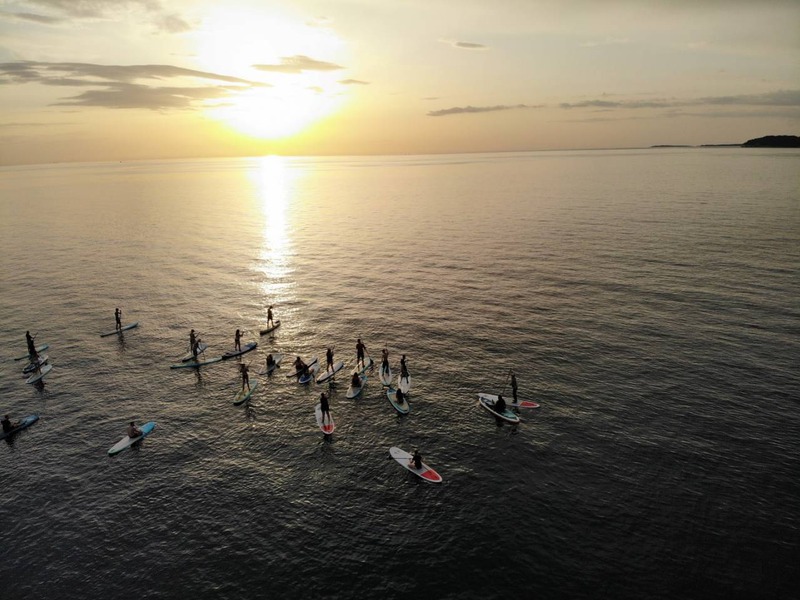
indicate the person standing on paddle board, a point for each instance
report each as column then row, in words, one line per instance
column 360, row 348
column 270, row 361
column 237, row 341
column 324, row 407
column 192, row 340
column 514, row 386
column 117, row 318
column 34, row 355
column 403, row 368
column 384, row 361
column 245, row 376
column 133, row 431
column 398, row 395
column 329, row 360
column 270, row 322
column 415, row 460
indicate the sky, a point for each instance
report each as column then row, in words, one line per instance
column 96, row 80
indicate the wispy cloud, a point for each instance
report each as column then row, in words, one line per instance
column 298, row 64
column 458, row 110
column 777, row 98
column 353, row 82
column 121, row 86
column 470, row 45
column 61, row 11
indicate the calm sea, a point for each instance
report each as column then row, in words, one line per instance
column 649, row 300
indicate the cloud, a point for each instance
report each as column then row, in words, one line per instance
column 353, row 82
column 61, row 11
column 469, row 45
column 458, row 110
column 298, row 64
column 42, row 19
column 120, row 86
column 777, row 98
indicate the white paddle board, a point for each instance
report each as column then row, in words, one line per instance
column 506, row 415
column 312, row 371
column 298, row 371
column 38, row 376
column 521, row 404
column 328, row 426
column 127, row 442
column 402, row 457
column 117, row 331
column 352, row 392
column 386, row 376
column 243, row 395
column 200, row 349
column 327, row 374
column 234, row 353
column 401, row 407
column 32, row 366
column 267, row 370
column 404, row 383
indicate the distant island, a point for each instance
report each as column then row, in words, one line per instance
column 768, row 141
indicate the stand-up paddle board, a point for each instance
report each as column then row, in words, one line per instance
column 367, row 364
column 190, row 364
column 352, row 392
column 404, row 383
column 521, row 404
column 246, row 348
column 200, row 349
column 386, row 376
column 327, row 374
column 327, row 426
column 127, row 442
column 267, row 370
column 402, row 457
column 298, row 371
column 32, row 366
column 402, row 407
column 243, row 395
column 312, row 371
column 123, row 328
column 506, row 415
column 271, row 329
column 28, row 356
column 38, row 376
column 23, row 423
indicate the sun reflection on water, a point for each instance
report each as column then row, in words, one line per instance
column 273, row 180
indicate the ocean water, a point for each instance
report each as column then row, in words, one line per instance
column 649, row 300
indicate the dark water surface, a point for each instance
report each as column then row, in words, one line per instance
column 649, row 300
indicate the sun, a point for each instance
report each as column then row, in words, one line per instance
column 232, row 41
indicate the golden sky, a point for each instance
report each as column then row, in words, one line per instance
column 92, row 80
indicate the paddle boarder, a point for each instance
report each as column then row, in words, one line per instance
column 270, row 361
column 360, row 349
column 399, row 396
column 31, row 345
column 300, row 367
column 270, row 322
column 415, row 460
column 245, row 375
column 499, row 405
column 324, row 407
column 237, row 341
column 514, row 386
column 133, row 431
column 192, row 340
column 329, row 360
column 118, row 318
column 403, row 368
column 384, row 361
column 356, row 381
column 8, row 425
